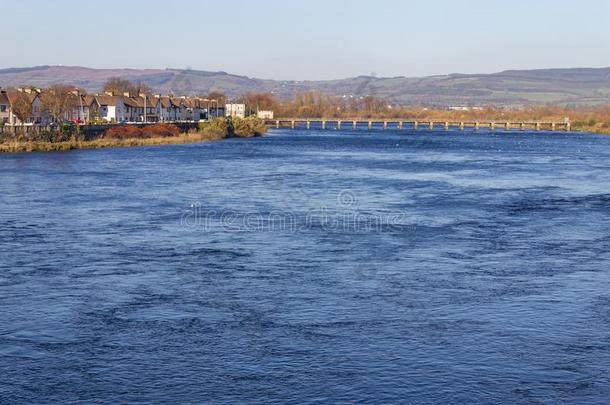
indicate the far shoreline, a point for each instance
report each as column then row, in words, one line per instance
column 133, row 136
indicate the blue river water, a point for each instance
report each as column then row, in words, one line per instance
column 309, row 267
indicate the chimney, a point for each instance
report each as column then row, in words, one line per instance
column 157, row 95
column 126, row 94
column 109, row 93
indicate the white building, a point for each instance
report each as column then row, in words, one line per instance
column 235, row 110
column 265, row 115
column 111, row 108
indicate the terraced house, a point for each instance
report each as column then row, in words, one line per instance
column 142, row 108
column 109, row 107
column 5, row 108
column 31, row 96
column 157, row 108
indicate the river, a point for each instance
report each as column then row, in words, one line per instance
column 309, row 266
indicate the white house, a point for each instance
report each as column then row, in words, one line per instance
column 265, row 115
column 111, row 108
column 235, row 110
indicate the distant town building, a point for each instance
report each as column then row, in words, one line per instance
column 265, row 115
column 235, row 110
column 464, row 108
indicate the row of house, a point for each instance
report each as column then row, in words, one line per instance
column 111, row 107
column 9, row 98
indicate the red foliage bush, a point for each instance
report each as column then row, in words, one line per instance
column 161, row 131
column 149, row 131
column 123, row 132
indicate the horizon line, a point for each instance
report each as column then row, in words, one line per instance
column 4, row 69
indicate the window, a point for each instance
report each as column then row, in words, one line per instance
column 2, row 108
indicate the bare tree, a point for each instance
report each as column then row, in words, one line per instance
column 138, row 88
column 216, row 95
column 58, row 100
column 22, row 107
column 259, row 101
column 118, row 85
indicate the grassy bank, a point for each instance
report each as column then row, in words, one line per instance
column 129, row 136
column 34, row 146
column 601, row 128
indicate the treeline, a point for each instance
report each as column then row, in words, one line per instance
column 320, row 105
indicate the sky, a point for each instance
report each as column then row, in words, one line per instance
column 314, row 39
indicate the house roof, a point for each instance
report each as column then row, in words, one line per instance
column 13, row 94
column 88, row 100
column 150, row 101
column 194, row 102
column 108, row 100
column 131, row 102
column 177, row 102
column 165, row 102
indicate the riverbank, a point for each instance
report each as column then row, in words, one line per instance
column 600, row 129
column 130, row 136
column 37, row 146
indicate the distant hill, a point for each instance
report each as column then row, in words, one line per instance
column 512, row 87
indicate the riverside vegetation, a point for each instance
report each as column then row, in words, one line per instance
column 69, row 137
column 311, row 104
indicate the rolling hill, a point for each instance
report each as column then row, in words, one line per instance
column 512, row 87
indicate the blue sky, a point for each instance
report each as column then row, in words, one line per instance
column 308, row 39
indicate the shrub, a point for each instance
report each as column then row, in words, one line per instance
column 123, row 132
column 215, row 127
column 251, row 126
column 160, row 131
column 241, row 127
column 135, row 132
